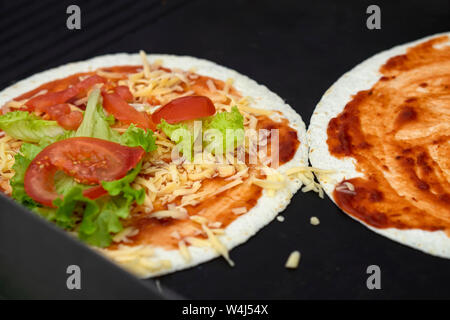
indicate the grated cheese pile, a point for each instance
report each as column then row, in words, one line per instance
column 8, row 149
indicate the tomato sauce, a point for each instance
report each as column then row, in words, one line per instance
column 398, row 132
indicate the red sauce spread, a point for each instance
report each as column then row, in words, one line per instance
column 398, row 132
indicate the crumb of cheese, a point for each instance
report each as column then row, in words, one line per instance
column 293, row 260
column 314, row 221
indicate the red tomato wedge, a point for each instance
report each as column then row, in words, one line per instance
column 122, row 111
column 94, row 192
column 185, row 108
column 42, row 102
column 87, row 84
column 65, row 117
column 87, row 160
column 124, row 92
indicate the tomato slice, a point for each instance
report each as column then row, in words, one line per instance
column 185, row 108
column 71, row 121
column 122, row 111
column 87, row 160
column 42, row 102
column 66, row 118
column 94, row 192
column 124, row 92
column 87, row 84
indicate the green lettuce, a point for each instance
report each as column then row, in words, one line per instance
column 100, row 218
column 101, row 221
column 137, row 137
column 95, row 123
column 223, row 131
column 180, row 134
column 28, row 127
column 123, row 187
column 22, row 160
column 230, row 125
column 65, row 212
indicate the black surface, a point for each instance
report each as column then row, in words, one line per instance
column 35, row 256
column 298, row 49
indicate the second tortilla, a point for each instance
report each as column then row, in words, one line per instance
column 382, row 131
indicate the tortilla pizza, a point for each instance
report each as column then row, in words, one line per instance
column 131, row 154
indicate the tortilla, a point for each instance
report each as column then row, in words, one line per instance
column 147, row 260
column 382, row 129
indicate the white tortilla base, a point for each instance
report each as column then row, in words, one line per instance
column 266, row 209
column 333, row 102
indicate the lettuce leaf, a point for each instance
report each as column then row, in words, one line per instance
column 138, row 137
column 65, row 216
column 223, row 131
column 22, row 160
column 28, row 127
column 123, row 186
column 180, row 134
column 98, row 226
column 95, row 123
column 101, row 222
column 230, row 125
column 100, row 218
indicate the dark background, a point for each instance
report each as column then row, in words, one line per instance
column 297, row 49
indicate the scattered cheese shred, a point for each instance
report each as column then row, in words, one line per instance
column 174, row 214
column 240, row 210
column 255, row 110
column 217, row 245
column 199, row 219
column 314, row 221
column 184, row 251
column 110, row 75
column 145, row 64
column 125, row 234
column 293, row 260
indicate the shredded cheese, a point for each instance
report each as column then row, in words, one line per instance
column 145, row 63
column 239, row 210
column 314, row 221
column 125, row 234
column 174, row 214
column 184, row 251
column 293, row 260
column 217, row 245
